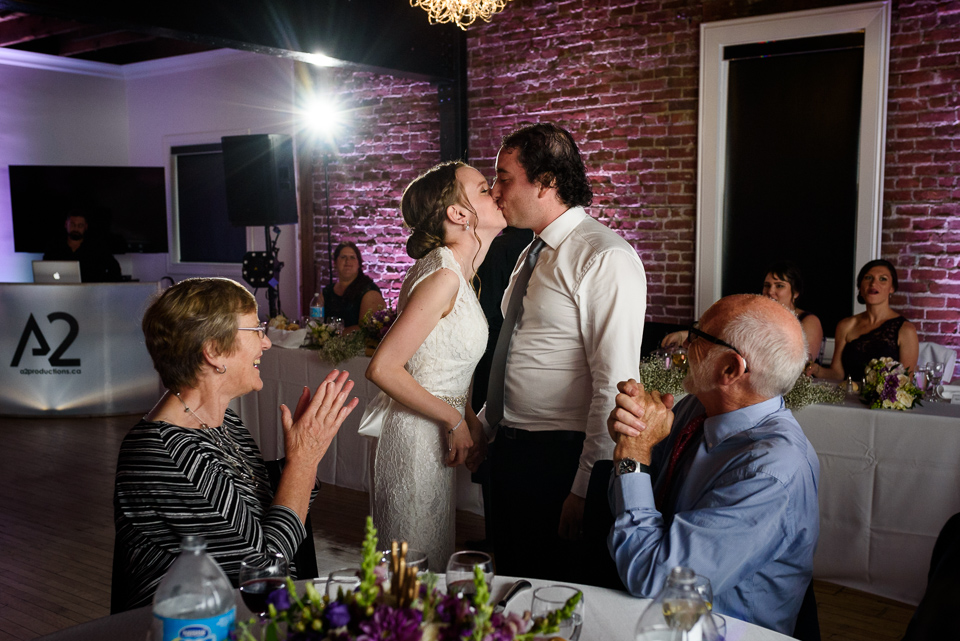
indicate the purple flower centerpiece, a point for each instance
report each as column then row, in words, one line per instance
column 377, row 612
column 375, row 323
column 888, row 385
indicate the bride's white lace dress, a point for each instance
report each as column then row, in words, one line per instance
column 414, row 493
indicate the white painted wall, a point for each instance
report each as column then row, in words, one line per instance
column 54, row 111
column 196, row 99
column 61, row 111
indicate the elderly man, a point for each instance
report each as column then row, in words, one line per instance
column 727, row 483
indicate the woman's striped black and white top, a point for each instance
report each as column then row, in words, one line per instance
column 175, row 481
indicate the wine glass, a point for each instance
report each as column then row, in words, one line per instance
column 551, row 598
column 342, row 581
column 460, row 571
column 260, row 574
column 702, row 585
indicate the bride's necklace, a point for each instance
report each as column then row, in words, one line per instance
column 463, row 269
column 225, row 443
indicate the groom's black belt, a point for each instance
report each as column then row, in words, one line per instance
column 546, row 436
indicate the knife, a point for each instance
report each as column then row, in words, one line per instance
column 514, row 590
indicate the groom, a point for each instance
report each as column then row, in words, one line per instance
column 573, row 320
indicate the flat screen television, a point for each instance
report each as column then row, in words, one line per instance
column 126, row 207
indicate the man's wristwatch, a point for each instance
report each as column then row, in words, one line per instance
column 629, row 466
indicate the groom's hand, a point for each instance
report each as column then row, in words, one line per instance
column 571, row 518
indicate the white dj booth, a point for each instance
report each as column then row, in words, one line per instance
column 75, row 350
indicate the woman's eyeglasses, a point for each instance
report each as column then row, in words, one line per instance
column 696, row 332
column 262, row 329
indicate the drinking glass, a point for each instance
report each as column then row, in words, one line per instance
column 935, row 377
column 551, row 598
column 260, row 574
column 415, row 559
column 345, row 580
column 337, row 323
column 460, row 571
column 923, row 375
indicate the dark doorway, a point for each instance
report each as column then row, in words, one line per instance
column 793, row 134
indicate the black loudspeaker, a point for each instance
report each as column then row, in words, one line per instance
column 260, row 180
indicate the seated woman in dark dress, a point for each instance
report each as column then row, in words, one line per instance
column 190, row 467
column 877, row 332
column 354, row 294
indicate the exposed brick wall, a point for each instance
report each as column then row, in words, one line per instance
column 392, row 134
column 921, row 216
column 622, row 75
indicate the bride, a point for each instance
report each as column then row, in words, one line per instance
column 426, row 361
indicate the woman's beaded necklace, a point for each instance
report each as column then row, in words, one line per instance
column 226, row 444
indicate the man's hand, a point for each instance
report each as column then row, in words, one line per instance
column 478, row 453
column 571, row 518
column 640, row 420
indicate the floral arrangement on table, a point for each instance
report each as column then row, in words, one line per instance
column 888, row 385
column 656, row 375
column 809, row 391
column 403, row 609
column 375, row 324
column 334, row 347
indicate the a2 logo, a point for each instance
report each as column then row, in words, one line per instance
column 56, row 359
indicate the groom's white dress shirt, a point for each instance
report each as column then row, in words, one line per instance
column 579, row 335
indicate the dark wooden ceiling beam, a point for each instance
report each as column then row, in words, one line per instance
column 25, row 28
column 101, row 40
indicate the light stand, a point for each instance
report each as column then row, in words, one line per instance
column 262, row 269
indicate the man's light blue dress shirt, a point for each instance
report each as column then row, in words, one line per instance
column 744, row 514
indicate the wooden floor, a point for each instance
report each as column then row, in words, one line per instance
column 56, row 534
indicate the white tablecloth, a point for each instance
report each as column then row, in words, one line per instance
column 609, row 616
column 349, row 460
column 888, row 482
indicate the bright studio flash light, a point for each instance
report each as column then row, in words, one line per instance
column 323, row 116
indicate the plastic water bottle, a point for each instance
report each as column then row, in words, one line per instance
column 194, row 601
column 316, row 307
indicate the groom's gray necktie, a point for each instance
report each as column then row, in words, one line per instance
column 498, row 366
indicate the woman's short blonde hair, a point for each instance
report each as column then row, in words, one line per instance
column 185, row 318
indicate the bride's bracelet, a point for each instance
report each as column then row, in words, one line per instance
column 454, row 428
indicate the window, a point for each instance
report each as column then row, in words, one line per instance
column 721, row 248
column 202, row 231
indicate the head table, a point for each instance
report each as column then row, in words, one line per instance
column 609, row 615
column 889, row 480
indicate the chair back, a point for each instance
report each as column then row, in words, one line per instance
column 935, row 352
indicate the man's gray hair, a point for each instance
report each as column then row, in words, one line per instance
column 775, row 358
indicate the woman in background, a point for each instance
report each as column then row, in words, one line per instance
column 427, row 359
column 354, row 294
column 784, row 284
column 877, row 332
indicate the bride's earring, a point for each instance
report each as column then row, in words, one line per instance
column 466, row 227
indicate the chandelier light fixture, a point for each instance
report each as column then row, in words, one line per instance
column 460, row 12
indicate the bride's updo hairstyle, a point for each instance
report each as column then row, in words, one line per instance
column 424, row 206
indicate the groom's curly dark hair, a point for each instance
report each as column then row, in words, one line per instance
column 549, row 156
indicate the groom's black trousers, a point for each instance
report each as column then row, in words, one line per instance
column 531, row 475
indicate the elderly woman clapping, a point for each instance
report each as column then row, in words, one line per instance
column 190, row 467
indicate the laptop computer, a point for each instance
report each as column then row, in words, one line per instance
column 56, row 271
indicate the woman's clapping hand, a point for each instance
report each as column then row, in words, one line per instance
column 316, row 420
